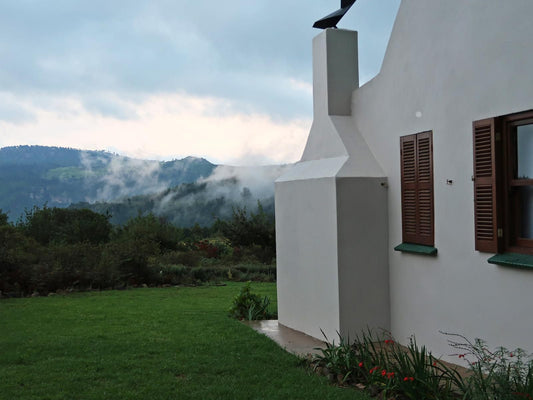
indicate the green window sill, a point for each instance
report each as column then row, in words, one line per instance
column 417, row 249
column 512, row 260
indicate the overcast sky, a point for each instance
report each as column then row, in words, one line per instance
column 230, row 80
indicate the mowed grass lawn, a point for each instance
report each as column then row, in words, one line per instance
column 173, row 343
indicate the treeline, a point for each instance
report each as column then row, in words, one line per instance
column 185, row 205
column 55, row 249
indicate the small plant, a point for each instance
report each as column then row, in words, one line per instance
column 337, row 362
column 387, row 369
column 383, row 367
column 250, row 306
column 499, row 374
column 420, row 375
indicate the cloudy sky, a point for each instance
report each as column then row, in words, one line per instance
column 226, row 80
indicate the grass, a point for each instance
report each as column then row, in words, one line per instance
column 146, row 344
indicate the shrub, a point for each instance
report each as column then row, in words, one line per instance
column 18, row 256
column 174, row 275
column 205, row 274
column 250, row 306
column 190, row 258
column 130, row 259
column 69, row 266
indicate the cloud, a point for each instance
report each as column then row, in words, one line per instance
column 123, row 176
column 13, row 112
column 108, row 105
column 166, row 127
column 236, row 49
column 258, row 180
column 170, row 77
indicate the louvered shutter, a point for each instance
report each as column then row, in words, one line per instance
column 417, row 188
column 485, row 194
column 408, row 170
column 424, row 154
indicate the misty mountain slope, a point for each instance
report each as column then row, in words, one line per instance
column 184, row 192
column 200, row 202
column 187, row 204
column 38, row 175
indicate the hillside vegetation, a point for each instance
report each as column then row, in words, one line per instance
column 55, row 249
column 183, row 192
column 36, row 175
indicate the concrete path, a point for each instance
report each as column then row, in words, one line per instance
column 294, row 342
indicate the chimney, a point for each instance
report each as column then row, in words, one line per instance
column 335, row 71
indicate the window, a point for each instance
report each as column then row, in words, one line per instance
column 503, row 183
column 417, row 188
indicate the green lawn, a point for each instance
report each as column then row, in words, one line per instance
column 146, row 344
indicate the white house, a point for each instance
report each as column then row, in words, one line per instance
column 412, row 206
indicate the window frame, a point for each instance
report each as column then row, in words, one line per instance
column 495, row 196
column 512, row 240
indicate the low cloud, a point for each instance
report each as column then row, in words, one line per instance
column 259, row 180
column 117, row 177
column 166, row 127
column 14, row 113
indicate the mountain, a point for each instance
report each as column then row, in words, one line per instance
column 38, row 175
column 185, row 205
column 187, row 191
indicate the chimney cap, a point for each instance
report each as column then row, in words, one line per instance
column 331, row 20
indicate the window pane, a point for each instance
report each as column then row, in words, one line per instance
column 525, row 194
column 524, row 143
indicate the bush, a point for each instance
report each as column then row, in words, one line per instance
column 250, row 306
column 190, row 258
column 18, row 257
column 57, row 249
column 174, row 275
column 130, row 258
column 73, row 266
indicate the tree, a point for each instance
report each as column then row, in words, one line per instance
column 68, row 226
column 3, row 218
column 254, row 229
column 149, row 228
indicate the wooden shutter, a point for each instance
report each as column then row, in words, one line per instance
column 417, row 188
column 485, row 194
column 408, row 170
column 424, row 154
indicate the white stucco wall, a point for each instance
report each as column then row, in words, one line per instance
column 307, row 275
column 449, row 63
column 331, row 211
column 362, row 251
